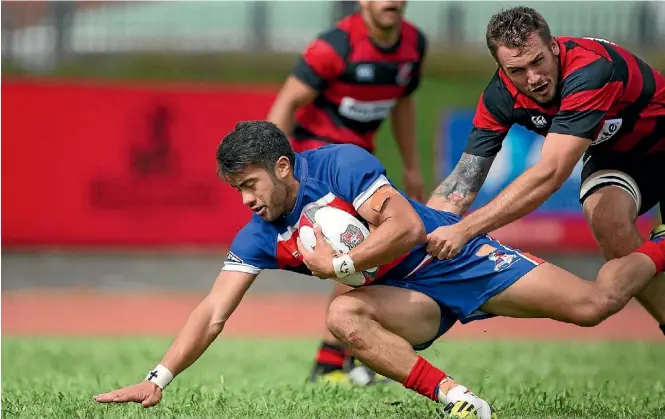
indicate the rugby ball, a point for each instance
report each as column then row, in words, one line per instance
column 341, row 230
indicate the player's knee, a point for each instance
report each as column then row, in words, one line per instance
column 615, row 232
column 597, row 306
column 347, row 319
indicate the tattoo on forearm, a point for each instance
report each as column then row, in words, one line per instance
column 461, row 186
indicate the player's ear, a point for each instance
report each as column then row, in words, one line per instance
column 283, row 167
column 554, row 45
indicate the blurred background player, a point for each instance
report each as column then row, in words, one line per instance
column 593, row 100
column 347, row 82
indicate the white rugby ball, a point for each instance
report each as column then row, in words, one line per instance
column 341, row 230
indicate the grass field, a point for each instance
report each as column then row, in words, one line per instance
column 237, row 378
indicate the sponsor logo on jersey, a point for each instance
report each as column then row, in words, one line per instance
column 501, row 260
column 232, row 257
column 539, row 121
column 366, row 111
column 609, row 129
column 404, row 74
column 365, row 72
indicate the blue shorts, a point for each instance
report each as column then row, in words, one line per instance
column 464, row 283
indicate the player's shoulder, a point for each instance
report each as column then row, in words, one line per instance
column 499, row 96
column 327, row 162
column 591, row 54
column 257, row 232
column 586, row 64
column 335, row 38
column 337, row 153
column 413, row 34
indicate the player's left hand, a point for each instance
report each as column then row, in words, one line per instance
column 320, row 261
column 414, row 185
column 446, row 241
column 146, row 393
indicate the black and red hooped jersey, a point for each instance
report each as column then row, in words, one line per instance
column 607, row 95
column 358, row 82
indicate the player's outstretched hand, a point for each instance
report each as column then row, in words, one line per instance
column 146, row 392
column 320, row 261
column 446, row 241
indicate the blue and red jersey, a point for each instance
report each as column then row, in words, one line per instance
column 343, row 176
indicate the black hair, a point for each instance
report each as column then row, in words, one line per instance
column 252, row 143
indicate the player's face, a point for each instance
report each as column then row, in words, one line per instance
column 265, row 194
column 534, row 70
column 385, row 14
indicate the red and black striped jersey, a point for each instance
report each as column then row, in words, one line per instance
column 358, row 81
column 606, row 94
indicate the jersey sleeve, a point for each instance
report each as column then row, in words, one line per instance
column 323, row 59
column 356, row 174
column 251, row 251
column 587, row 93
column 416, row 72
column 492, row 120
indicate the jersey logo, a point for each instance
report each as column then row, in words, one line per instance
column 231, row 257
column 609, row 129
column 539, row 121
column 501, row 260
column 365, row 72
column 365, row 111
column 352, row 236
column 404, row 74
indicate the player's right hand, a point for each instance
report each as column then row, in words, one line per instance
column 146, row 392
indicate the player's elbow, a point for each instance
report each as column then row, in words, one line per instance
column 414, row 232
column 216, row 315
column 551, row 177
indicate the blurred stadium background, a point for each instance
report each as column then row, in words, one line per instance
column 112, row 111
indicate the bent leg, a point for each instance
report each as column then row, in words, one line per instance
column 381, row 324
column 611, row 212
column 331, row 355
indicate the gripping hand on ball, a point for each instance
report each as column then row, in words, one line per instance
column 319, row 261
column 145, row 392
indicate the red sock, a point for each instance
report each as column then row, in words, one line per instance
column 655, row 251
column 424, row 378
column 331, row 356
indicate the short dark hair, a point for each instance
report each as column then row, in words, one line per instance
column 259, row 143
column 512, row 28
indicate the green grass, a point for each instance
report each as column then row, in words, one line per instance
column 56, row 378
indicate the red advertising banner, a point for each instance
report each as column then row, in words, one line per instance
column 119, row 164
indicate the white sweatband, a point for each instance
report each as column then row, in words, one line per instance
column 343, row 266
column 160, row 375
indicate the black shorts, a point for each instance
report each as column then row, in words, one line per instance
column 647, row 170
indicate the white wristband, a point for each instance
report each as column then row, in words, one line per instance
column 343, row 266
column 160, row 375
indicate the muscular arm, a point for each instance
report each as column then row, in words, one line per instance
column 532, row 188
column 207, row 320
column 403, row 123
column 399, row 229
column 293, row 95
column 320, row 62
column 588, row 91
column 458, row 191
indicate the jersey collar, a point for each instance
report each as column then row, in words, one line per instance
column 363, row 31
column 301, row 172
